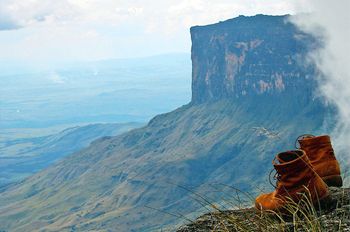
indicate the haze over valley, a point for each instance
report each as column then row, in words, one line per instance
column 104, row 91
column 46, row 115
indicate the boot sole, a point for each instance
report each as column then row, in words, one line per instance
column 326, row 203
column 333, row 181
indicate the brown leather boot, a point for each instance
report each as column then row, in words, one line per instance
column 295, row 177
column 321, row 155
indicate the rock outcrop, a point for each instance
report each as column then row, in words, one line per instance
column 334, row 218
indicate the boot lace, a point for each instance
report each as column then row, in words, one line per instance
column 300, row 137
column 276, row 177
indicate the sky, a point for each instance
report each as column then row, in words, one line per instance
column 44, row 31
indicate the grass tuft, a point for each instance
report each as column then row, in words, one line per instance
column 325, row 215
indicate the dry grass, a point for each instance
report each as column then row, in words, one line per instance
column 295, row 216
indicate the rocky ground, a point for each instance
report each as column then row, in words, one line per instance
column 336, row 217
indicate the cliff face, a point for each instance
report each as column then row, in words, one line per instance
column 248, row 57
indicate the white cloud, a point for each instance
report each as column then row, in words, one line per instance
column 54, row 30
column 330, row 20
column 30, row 12
column 56, row 78
column 180, row 15
column 7, row 21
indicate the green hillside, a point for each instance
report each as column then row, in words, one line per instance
column 108, row 184
column 21, row 157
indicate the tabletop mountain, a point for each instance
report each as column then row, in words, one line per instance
column 252, row 95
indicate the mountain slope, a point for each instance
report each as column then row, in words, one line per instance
column 20, row 158
column 228, row 134
column 108, row 184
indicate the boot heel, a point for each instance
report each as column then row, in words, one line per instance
column 326, row 203
column 333, row 181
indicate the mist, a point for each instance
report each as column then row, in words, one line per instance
column 329, row 21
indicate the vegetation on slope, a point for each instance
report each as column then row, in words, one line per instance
column 21, row 157
column 112, row 183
